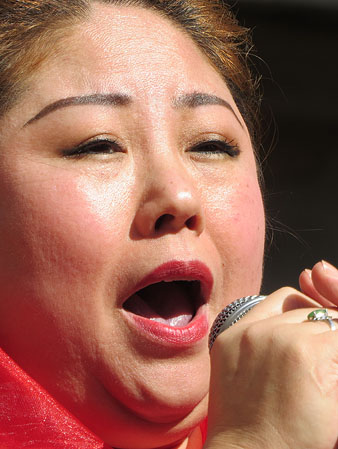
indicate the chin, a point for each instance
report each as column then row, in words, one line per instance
column 158, row 420
column 146, row 434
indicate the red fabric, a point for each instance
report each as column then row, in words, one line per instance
column 31, row 418
column 204, row 428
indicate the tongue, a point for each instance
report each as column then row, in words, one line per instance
column 166, row 303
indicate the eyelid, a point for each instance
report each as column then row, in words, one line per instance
column 230, row 147
column 79, row 150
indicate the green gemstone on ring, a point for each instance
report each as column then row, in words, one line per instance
column 318, row 314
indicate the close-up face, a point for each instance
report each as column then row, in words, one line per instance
column 130, row 215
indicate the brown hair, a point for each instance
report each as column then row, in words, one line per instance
column 30, row 29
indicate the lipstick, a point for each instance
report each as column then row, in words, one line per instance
column 187, row 292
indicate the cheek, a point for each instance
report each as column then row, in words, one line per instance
column 58, row 226
column 60, row 240
column 236, row 219
column 248, row 220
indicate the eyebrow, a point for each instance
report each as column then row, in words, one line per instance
column 96, row 99
column 191, row 100
column 197, row 99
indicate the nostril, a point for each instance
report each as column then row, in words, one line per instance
column 191, row 222
column 162, row 220
column 169, row 220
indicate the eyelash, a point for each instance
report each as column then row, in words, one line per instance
column 210, row 148
column 217, row 148
column 99, row 146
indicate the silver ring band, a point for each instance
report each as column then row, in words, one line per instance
column 322, row 315
column 333, row 327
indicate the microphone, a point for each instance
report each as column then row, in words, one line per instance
column 231, row 314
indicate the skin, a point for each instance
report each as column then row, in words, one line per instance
column 78, row 233
column 321, row 283
column 286, row 370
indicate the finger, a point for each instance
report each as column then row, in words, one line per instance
column 325, row 281
column 301, row 317
column 279, row 302
column 307, row 287
column 293, row 324
column 273, row 311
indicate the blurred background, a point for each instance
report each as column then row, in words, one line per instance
column 297, row 41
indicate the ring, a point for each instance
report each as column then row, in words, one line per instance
column 231, row 314
column 322, row 315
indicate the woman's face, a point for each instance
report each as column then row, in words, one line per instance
column 141, row 172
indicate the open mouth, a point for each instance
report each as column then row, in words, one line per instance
column 173, row 303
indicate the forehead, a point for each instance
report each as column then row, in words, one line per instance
column 131, row 50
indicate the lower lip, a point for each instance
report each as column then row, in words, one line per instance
column 161, row 333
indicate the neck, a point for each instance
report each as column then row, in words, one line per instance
column 193, row 441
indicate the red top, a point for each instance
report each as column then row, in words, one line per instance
column 31, row 418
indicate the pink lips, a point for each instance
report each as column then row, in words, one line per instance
column 162, row 333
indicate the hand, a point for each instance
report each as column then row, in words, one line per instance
column 274, row 376
column 321, row 283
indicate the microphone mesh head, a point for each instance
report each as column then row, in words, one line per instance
column 231, row 314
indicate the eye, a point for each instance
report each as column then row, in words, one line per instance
column 94, row 147
column 216, row 148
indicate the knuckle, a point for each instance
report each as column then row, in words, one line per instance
column 282, row 339
column 296, row 349
column 278, row 336
column 287, row 291
column 252, row 334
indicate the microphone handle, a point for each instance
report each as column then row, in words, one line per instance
column 231, row 314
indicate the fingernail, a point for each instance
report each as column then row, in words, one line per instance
column 308, row 272
column 329, row 269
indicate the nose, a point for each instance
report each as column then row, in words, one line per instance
column 170, row 203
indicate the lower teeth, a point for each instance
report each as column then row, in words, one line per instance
column 177, row 321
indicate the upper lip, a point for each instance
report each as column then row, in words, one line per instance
column 177, row 270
